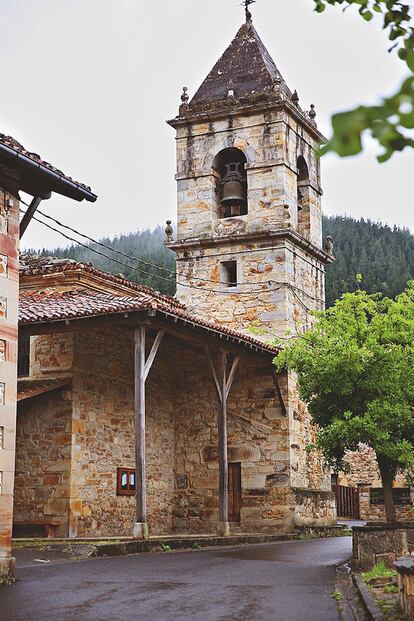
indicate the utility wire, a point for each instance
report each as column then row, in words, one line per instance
column 142, row 271
column 158, row 267
column 170, row 279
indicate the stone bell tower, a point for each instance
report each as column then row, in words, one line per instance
column 249, row 236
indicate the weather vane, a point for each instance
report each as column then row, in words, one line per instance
column 246, row 5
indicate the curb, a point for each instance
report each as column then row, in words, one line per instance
column 149, row 545
column 373, row 610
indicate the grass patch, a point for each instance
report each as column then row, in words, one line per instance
column 390, row 588
column 380, row 570
column 337, row 595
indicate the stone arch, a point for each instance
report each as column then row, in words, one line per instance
column 230, row 175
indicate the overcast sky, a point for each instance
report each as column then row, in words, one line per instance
column 88, row 84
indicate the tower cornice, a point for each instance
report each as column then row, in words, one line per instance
column 288, row 234
column 243, row 109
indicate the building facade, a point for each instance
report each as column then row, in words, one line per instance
column 168, row 414
column 9, row 294
column 77, row 416
column 20, row 170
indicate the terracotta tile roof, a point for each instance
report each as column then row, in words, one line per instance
column 26, row 389
column 13, row 145
column 52, row 305
column 31, row 265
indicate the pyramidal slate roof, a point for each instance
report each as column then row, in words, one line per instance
column 246, row 66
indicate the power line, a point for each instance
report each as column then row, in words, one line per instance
column 170, row 279
column 158, row 267
column 142, row 271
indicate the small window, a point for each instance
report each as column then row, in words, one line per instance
column 229, row 273
column 23, row 364
column 302, row 187
column 2, row 350
column 125, row 485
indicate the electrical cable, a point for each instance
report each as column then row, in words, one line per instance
column 171, row 279
column 159, row 267
column 142, row 271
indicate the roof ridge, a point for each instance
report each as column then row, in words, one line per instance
column 56, row 264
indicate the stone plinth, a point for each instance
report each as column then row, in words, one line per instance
column 405, row 569
column 381, row 542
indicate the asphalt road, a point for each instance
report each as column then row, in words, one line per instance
column 289, row 581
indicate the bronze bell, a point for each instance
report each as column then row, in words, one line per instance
column 233, row 193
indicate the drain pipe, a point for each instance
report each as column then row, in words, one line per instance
column 31, row 211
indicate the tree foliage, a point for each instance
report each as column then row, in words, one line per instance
column 391, row 122
column 355, row 368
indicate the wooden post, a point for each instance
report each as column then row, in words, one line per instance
column 222, row 444
column 142, row 369
column 223, row 386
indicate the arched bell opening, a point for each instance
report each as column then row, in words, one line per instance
column 302, row 191
column 229, row 169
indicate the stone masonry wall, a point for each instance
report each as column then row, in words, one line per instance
column 103, row 436
column 277, row 285
column 9, row 293
column 43, row 459
column 51, row 355
column 258, row 437
column 272, row 143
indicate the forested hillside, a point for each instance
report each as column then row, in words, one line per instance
column 383, row 255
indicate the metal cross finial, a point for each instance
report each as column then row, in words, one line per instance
column 246, row 4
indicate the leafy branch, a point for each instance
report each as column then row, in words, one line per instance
column 392, row 121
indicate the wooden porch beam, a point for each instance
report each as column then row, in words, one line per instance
column 142, row 368
column 153, row 353
column 213, row 372
column 222, row 446
column 223, row 386
column 232, row 374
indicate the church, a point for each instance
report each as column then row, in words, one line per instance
column 143, row 414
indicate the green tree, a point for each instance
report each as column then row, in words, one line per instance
column 392, row 121
column 355, row 368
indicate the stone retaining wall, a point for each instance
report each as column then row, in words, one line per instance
column 372, row 544
column 376, row 513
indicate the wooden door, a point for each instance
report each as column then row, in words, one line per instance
column 347, row 501
column 234, row 492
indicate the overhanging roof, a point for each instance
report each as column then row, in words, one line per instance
column 38, row 177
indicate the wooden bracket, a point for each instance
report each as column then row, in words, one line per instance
column 279, row 392
column 226, row 382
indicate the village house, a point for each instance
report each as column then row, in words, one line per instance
column 143, row 413
column 20, row 170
